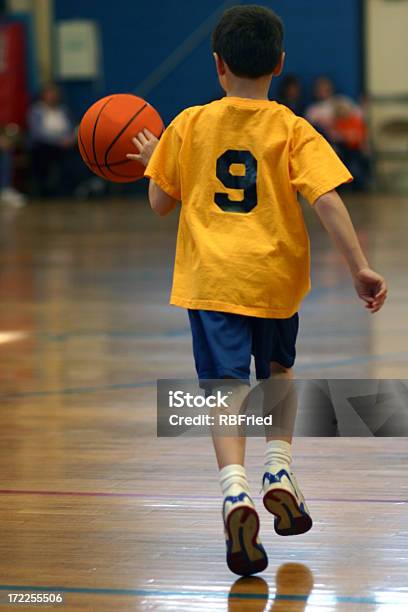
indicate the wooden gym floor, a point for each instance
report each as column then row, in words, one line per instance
column 93, row 505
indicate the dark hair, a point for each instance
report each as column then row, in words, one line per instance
column 250, row 40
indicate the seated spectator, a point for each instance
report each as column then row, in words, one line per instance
column 290, row 94
column 342, row 122
column 321, row 113
column 8, row 194
column 52, row 137
column 349, row 128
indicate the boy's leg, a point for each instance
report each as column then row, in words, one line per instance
column 221, row 345
column 282, row 495
column 245, row 553
column 229, row 443
column 281, row 399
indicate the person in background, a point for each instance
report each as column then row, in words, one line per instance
column 341, row 121
column 322, row 113
column 290, row 94
column 52, row 137
column 8, row 194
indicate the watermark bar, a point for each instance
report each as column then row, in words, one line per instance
column 281, row 407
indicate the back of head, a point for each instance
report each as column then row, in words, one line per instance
column 50, row 94
column 323, row 88
column 249, row 39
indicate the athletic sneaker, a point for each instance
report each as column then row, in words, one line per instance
column 245, row 553
column 284, row 499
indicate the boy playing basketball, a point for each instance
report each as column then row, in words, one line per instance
column 242, row 257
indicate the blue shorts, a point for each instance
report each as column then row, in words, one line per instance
column 224, row 342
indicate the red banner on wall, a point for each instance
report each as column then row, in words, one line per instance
column 13, row 74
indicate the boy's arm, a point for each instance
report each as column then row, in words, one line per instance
column 160, row 201
column 370, row 286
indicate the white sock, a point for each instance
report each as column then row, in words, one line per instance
column 233, row 480
column 278, row 453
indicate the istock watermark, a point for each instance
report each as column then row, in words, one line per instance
column 220, row 420
column 317, row 407
column 180, row 399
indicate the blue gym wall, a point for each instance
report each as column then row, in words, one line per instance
column 322, row 36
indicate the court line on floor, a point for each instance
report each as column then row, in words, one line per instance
column 137, row 385
column 318, row 598
column 175, row 333
column 181, row 497
column 130, row 334
column 80, row 390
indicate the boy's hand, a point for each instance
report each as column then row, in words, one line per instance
column 145, row 142
column 371, row 287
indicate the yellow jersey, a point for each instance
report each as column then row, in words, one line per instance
column 237, row 165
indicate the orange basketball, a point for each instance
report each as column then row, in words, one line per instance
column 106, row 131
